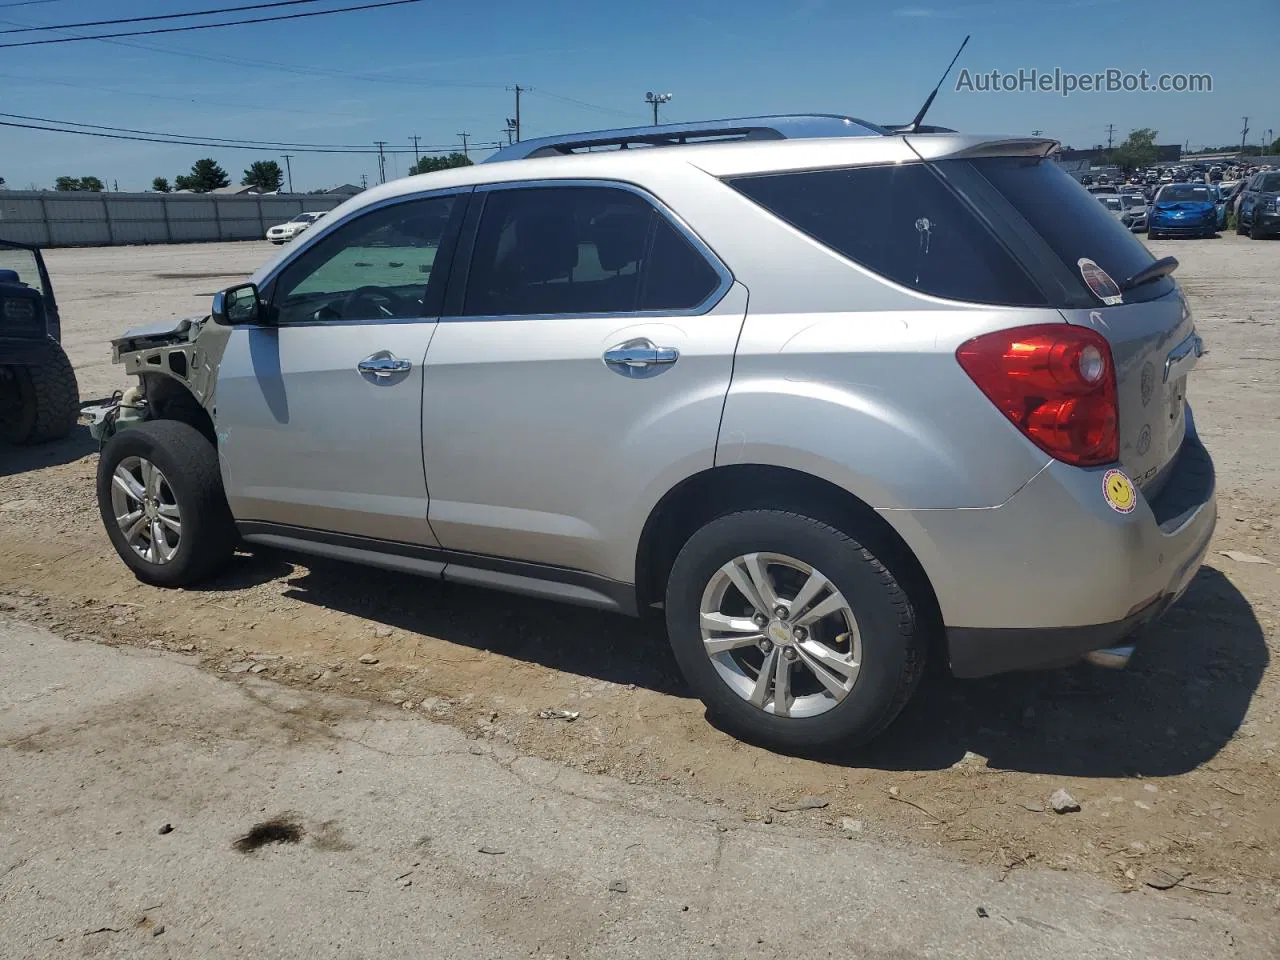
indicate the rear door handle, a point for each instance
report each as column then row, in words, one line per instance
column 383, row 364
column 640, row 358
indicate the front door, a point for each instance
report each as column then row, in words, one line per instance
column 318, row 409
column 581, row 376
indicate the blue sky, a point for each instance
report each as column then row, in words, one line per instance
column 438, row 68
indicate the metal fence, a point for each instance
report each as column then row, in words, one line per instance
column 76, row 219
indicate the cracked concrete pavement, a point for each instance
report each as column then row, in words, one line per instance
column 418, row 842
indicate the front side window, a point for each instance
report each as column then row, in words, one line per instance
column 581, row 250
column 900, row 222
column 389, row 263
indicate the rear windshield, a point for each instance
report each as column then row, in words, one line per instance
column 1073, row 223
column 1111, row 203
column 1184, row 192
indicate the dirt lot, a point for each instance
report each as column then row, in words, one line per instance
column 1174, row 761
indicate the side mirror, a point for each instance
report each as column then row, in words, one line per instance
column 237, row 305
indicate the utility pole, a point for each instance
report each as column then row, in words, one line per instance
column 1036, row 133
column 1111, row 129
column 464, row 135
column 382, row 161
column 511, row 130
column 516, row 121
column 1244, row 133
column 364, row 181
column 289, row 170
column 415, row 138
column 654, row 99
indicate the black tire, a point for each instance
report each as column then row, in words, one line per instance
column 44, row 401
column 1239, row 226
column 893, row 647
column 1152, row 235
column 1254, row 232
column 189, row 463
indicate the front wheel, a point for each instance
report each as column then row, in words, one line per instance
column 161, row 499
column 793, row 634
column 1255, row 233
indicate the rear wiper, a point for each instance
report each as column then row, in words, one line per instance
column 1161, row 268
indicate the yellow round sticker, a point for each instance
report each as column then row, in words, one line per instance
column 1118, row 491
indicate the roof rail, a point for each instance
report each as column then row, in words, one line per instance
column 786, row 127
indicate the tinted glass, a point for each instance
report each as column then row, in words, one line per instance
column 1183, row 192
column 580, row 250
column 24, row 264
column 1270, row 182
column 382, row 265
column 1069, row 220
column 903, row 223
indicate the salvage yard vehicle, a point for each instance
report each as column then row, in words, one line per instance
column 835, row 399
column 290, row 229
column 1183, row 210
column 1260, row 206
column 39, row 396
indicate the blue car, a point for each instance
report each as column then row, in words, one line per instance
column 1184, row 210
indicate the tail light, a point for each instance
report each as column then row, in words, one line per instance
column 1056, row 383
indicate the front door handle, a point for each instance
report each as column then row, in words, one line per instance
column 383, row 364
column 640, row 358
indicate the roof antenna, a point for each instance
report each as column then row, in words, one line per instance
column 914, row 125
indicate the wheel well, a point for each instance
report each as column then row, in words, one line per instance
column 170, row 400
column 722, row 490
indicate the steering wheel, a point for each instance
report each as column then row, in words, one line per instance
column 353, row 301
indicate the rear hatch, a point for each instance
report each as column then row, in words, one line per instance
column 1062, row 234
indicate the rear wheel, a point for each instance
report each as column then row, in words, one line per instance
column 791, row 632
column 39, row 401
column 161, row 499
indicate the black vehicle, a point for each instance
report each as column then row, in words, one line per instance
column 39, row 396
column 1260, row 206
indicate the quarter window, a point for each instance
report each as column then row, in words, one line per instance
column 581, row 250
column 388, row 264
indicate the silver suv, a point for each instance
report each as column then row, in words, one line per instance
column 836, row 399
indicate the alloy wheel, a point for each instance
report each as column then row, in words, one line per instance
column 780, row 634
column 146, row 510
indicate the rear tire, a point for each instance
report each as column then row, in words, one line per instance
column 42, row 400
column 890, row 650
column 189, row 484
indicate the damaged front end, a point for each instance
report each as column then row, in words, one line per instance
column 177, row 370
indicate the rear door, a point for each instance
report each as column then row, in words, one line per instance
column 579, row 375
column 1062, row 229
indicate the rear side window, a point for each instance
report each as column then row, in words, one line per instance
column 581, row 250
column 903, row 223
column 1067, row 218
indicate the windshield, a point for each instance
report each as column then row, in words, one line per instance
column 1135, row 200
column 1184, row 192
column 302, row 218
column 1270, row 182
column 1111, row 203
column 23, row 263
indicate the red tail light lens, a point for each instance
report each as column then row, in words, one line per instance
column 1056, row 383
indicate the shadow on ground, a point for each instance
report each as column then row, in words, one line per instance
column 566, row 638
column 1182, row 698
column 21, row 459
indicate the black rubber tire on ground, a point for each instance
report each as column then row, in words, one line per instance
column 1152, row 235
column 893, row 647
column 1254, row 232
column 47, row 399
column 190, row 464
column 1239, row 227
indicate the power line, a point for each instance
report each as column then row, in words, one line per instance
column 156, row 133
column 27, row 3
column 160, row 16
column 210, row 26
column 205, row 143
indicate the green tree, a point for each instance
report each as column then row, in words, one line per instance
column 205, row 175
column 266, row 175
column 1271, row 150
column 431, row 164
column 92, row 184
column 1, row 182
column 1137, row 151
column 160, row 185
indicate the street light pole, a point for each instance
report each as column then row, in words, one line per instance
column 654, row 100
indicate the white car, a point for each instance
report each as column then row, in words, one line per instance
column 284, row 232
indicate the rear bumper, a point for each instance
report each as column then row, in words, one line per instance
column 1055, row 573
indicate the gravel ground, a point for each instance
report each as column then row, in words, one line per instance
column 1174, row 761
